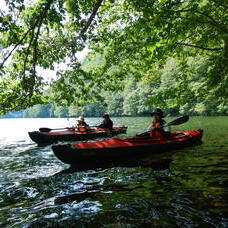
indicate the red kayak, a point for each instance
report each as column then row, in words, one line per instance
column 95, row 154
column 69, row 134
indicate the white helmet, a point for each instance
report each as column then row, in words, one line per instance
column 80, row 118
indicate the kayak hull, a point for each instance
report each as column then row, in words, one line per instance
column 70, row 135
column 115, row 151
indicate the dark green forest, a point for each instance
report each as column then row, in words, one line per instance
column 170, row 54
column 133, row 101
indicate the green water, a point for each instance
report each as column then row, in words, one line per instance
column 187, row 190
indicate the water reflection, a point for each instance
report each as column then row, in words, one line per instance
column 146, row 162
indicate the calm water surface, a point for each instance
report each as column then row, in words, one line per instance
column 187, row 187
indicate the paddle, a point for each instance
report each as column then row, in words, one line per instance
column 46, row 129
column 177, row 121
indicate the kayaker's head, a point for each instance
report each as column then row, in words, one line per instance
column 158, row 114
column 80, row 119
column 157, row 117
column 106, row 116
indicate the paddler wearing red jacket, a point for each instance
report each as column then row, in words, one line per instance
column 81, row 124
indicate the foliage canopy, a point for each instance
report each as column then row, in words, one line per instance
column 133, row 38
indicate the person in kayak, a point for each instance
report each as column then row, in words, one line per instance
column 156, row 127
column 81, row 124
column 106, row 123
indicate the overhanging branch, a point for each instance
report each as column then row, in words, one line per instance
column 89, row 22
column 208, row 16
column 15, row 47
column 34, row 30
column 85, row 28
column 199, row 47
column 219, row 4
column 42, row 15
column 212, row 21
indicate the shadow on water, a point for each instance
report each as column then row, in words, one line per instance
column 148, row 162
column 160, row 160
column 94, row 193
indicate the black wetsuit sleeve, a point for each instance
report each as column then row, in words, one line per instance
column 106, row 124
column 103, row 124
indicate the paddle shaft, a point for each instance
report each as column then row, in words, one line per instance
column 46, row 129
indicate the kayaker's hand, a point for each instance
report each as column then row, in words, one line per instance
column 71, row 128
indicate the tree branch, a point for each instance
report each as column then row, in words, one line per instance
column 85, row 28
column 27, row 54
column 197, row 21
column 33, row 42
column 18, row 43
column 35, row 55
column 88, row 23
column 27, row 32
column 212, row 20
column 219, row 4
column 200, row 47
column 209, row 17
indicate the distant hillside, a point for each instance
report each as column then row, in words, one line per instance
column 14, row 114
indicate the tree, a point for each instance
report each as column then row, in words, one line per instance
column 135, row 37
column 60, row 111
column 157, row 30
column 114, row 103
column 37, row 111
column 40, row 34
column 130, row 106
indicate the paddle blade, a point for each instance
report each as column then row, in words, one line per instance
column 178, row 121
column 44, row 129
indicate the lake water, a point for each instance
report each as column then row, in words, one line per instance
column 188, row 188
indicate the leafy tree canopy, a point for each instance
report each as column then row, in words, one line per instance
column 133, row 38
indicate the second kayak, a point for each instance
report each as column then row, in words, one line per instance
column 68, row 135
